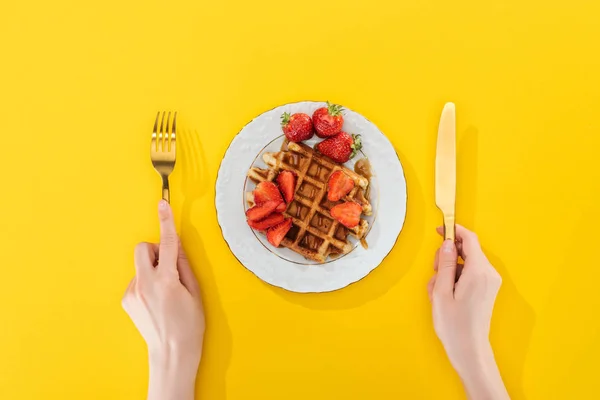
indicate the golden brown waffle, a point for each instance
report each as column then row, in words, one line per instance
column 314, row 234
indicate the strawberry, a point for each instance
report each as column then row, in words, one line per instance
column 258, row 212
column 297, row 127
column 268, row 191
column 341, row 147
column 348, row 214
column 287, row 185
column 328, row 120
column 276, row 234
column 267, row 222
column 338, row 186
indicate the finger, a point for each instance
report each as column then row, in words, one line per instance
column 186, row 274
column 440, row 231
column 469, row 241
column 458, row 242
column 459, row 266
column 155, row 249
column 430, row 286
column 131, row 282
column 125, row 300
column 459, row 269
column 144, row 258
column 168, row 238
column 444, row 284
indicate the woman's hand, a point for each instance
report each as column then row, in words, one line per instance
column 463, row 299
column 164, row 302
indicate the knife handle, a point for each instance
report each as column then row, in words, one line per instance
column 449, row 228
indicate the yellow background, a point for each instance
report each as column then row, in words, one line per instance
column 81, row 82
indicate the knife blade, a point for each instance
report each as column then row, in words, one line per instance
column 445, row 169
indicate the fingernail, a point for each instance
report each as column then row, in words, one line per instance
column 448, row 246
column 163, row 210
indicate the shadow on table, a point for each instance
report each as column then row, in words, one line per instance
column 467, row 172
column 217, row 347
column 510, row 337
column 393, row 268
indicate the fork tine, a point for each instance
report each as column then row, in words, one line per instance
column 167, row 147
column 161, row 136
column 156, row 123
column 154, row 132
column 173, row 132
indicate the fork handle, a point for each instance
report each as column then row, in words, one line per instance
column 166, row 195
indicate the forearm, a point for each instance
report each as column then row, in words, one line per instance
column 481, row 378
column 171, row 378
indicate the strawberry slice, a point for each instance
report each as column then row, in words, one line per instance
column 267, row 222
column 276, row 234
column 338, row 186
column 287, row 185
column 348, row 214
column 260, row 211
column 266, row 191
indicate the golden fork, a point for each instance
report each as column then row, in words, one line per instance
column 162, row 149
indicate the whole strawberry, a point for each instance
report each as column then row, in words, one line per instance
column 341, row 147
column 297, row 127
column 328, row 120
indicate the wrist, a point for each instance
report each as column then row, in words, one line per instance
column 172, row 375
column 480, row 375
column 471, row 358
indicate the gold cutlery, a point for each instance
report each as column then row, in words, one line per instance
column 445, row 169
column 162, row 149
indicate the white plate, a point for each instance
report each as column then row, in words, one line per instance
column 282, row 267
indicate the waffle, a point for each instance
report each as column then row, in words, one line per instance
column 314, row 233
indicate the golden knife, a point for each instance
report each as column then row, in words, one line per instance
column 445, row 169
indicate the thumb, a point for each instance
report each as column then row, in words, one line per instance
column 444, row 284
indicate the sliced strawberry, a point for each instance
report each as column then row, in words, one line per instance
column 267, row 191
column 348, row 214
column 276, row 234
column 260, row 211
column 267, row 222
column 281, row 207
column 338, row 186
column 287, row 185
